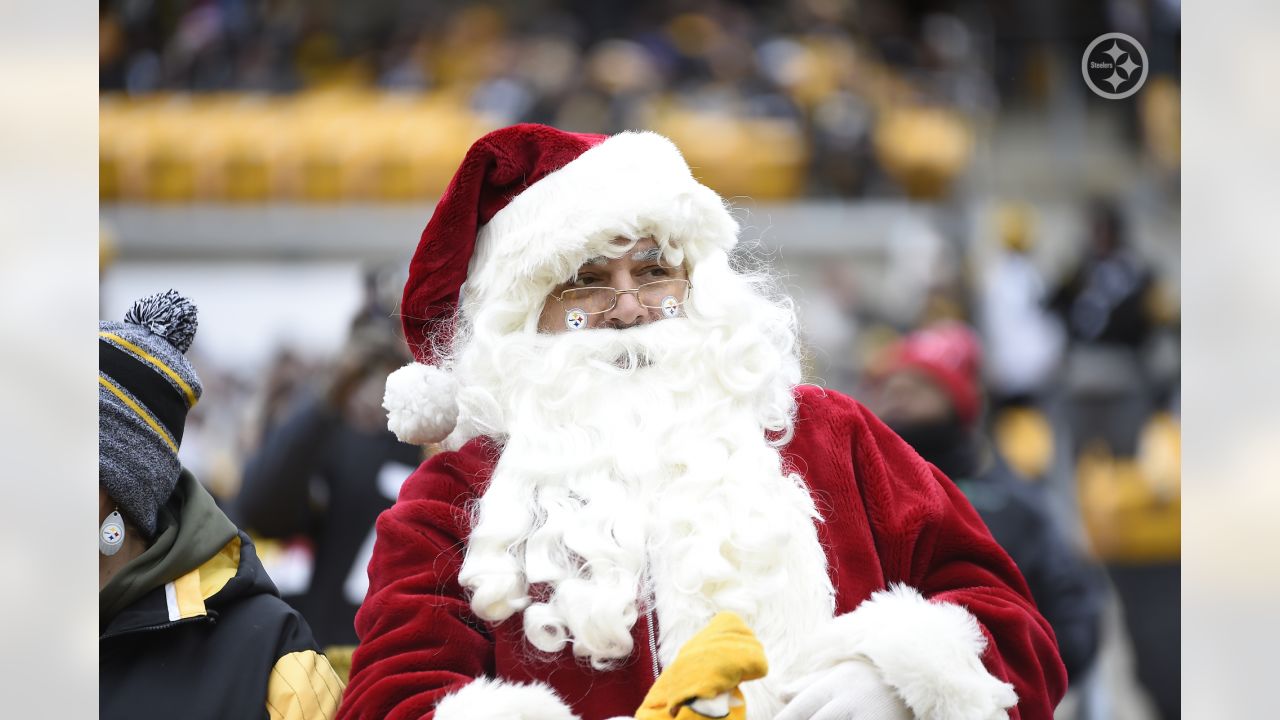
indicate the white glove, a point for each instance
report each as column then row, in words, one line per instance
column 852, row 690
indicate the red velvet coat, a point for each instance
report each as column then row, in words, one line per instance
column 889, row 518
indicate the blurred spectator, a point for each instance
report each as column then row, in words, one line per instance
column 1105, row 304
column 927, row 388
column 326, row 470
column 1023, row 341
column 285, row 379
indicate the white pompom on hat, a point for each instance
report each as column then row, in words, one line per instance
column 421, row 403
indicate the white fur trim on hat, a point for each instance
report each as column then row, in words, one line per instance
column 421, row 403
column 489, row 699
column 929, row 652
column 633, row 184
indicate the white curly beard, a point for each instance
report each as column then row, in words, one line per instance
column 637, row 473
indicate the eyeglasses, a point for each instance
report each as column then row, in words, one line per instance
column 664, row 295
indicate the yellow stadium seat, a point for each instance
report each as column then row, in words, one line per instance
column 758, row 158
column 169, row 150
column 111, row 125
column 923, row 148
column 1132, row 509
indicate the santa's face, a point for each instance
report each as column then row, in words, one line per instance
column 640, row 471
column 636, row 287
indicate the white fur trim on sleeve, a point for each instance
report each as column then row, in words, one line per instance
column 929, row 652
column 421, row 403
column 490, row 699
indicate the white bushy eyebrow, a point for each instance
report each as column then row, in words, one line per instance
column 651, row 255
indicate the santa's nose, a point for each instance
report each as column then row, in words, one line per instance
column 627, row 312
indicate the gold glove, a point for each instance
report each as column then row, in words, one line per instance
column 707, row 671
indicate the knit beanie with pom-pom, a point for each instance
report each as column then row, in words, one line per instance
column 145, row 389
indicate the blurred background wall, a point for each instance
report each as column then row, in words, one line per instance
column 897, row 163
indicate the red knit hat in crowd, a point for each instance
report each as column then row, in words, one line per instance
column 951, row 355
column 516, row 219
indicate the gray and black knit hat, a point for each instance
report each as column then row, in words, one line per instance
column 145, row 388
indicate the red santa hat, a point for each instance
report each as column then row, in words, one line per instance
column 949, row 353
column 519, row 217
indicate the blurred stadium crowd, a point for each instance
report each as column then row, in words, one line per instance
column 1043, row 217
column 238, row 100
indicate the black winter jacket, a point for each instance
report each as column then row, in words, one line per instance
column 1068, row 587
column 215, row 641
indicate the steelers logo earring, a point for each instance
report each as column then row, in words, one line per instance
column 111, row 534
column 575, row 319
column 670, row 306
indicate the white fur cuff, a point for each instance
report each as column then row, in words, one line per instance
column 489, row 699
column 929, row 652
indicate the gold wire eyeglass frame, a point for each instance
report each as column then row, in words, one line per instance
column 688, row 287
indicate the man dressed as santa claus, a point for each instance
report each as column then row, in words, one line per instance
column 641, row 512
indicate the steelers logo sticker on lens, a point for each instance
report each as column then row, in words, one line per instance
column 1114, row 66
column 670, row 306
column 575, row 319
column 111, row 534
